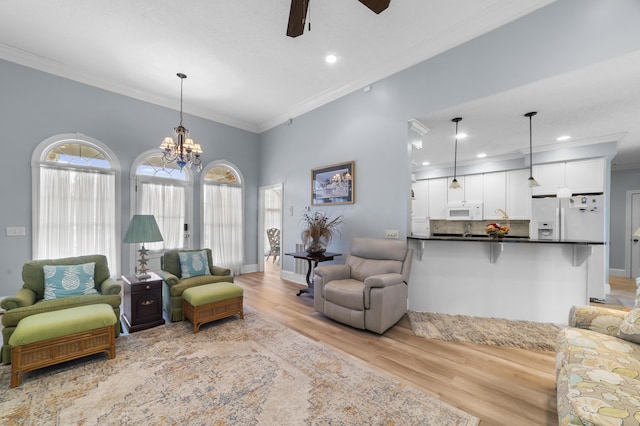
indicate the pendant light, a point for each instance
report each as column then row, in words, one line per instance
column 184, row 151
column 454, row 183
column 531, row 180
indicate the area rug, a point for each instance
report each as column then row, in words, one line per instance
column 486, row 331
column 233, row 372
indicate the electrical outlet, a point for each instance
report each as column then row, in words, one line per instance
column 15, row 231
column 392, row 233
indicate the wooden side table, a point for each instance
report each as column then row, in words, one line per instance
column 142, row 302
column 311, row 258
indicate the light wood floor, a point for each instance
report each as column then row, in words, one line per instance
column 501, row 386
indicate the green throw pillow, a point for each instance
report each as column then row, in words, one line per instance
column 68, row 280
column 193, row 263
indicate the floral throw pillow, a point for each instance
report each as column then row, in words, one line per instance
column 68, row 280
column 630, row 327
column 193, row 263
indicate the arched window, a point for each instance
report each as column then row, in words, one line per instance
column 76, row 181
column 223, row 214
column 165, row 192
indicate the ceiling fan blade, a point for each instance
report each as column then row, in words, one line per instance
column 376, row 5
column 297, row 17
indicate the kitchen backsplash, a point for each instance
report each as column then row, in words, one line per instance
column 517, row 228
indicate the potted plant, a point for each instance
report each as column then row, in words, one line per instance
column 319, row 229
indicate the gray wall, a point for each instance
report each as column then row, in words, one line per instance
column 621, row 182
column 371, row 128
column 35, row 106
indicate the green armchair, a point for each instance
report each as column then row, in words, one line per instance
column 173, row 285
column 30, row 298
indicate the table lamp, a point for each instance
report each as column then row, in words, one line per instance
column 142, row 229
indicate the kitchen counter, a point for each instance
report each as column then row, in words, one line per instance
column 512, row 278
column 506, row 239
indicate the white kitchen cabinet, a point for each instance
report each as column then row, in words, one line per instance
column 550, row 177
column 494, row 194
column 420, row 202
column 438, row 198
column 471, row 189
column 580, row 176
column 518, row 195
column 585, row 176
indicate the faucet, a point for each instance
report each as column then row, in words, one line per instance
column 467, row 230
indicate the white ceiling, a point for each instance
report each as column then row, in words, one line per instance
column 599, row 103
column 242, row 68
column 244, row 71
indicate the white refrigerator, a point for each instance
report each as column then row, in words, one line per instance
column 580, row 218
column 577, row 218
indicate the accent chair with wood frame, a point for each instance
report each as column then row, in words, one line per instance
column 30, row 299
column 370, row 291
column 174, row 284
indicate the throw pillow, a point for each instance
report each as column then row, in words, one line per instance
column 630, row 327
column 193, row 263
column 68, row 280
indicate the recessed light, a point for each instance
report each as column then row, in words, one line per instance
column 425, row 163
column 331, row 59
column 563, row 138
column 481, row 155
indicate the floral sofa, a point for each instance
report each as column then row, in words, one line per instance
column 598, row 367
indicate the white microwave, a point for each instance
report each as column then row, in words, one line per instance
column 465, row 211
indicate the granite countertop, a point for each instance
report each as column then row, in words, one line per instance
column 506, row 239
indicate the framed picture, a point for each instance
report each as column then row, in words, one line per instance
column 333, row 184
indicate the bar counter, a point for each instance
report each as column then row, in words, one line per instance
column 512, row 278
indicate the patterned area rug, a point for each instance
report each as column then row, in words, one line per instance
column 239, row 372
column 486, row 331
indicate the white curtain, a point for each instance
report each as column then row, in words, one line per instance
column 223, row 225
column 76, row 215
column 167, row 204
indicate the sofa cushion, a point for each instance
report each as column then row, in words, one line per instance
column 597, row 350
column 630, row 327
column 170, row 261
column 33, row 274
column 347, row 293
column 50, row 325
column 193, row 263
column 589, row 395
column 68, row 280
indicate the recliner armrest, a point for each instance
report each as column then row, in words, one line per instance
column 110, row 286
column 168, row 278
column 332, row 272
column 383, row 280
column 24, row 297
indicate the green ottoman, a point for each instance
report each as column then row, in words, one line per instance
column 211, row 302
column 49, row 338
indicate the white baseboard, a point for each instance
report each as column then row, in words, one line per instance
column 292, row 276
column 246, row 269
column 617, row 272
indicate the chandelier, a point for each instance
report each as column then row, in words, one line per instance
column 185, row 151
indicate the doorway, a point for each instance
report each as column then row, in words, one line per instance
column 270, row 218
column 633, row 223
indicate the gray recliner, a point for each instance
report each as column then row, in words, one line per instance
column 370, row 291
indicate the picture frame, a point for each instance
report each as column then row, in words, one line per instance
column 333, row 184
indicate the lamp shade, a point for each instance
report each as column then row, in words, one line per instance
column 142, row 229
column 637, row 233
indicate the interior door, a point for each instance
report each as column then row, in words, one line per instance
column 635, row 241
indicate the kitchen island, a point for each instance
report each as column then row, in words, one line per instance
column 513, row 278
